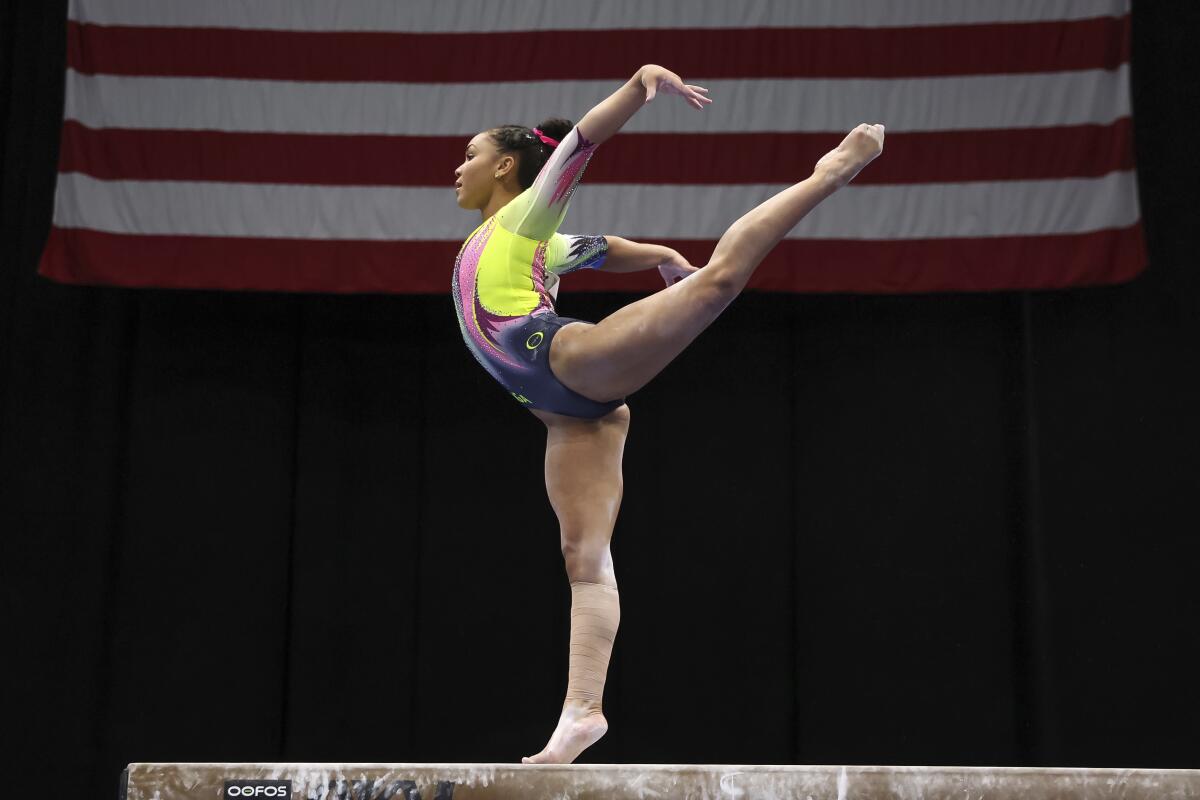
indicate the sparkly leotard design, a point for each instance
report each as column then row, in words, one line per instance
column 506, row 279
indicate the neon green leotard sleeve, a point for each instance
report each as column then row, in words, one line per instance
column 538, row 211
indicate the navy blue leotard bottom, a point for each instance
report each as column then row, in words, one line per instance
column 529, row 342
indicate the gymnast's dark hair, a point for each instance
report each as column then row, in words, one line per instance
column 532, row 151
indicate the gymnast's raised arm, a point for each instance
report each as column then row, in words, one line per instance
column 538, row 211
column 603, row 121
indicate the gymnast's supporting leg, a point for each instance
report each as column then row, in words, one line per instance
column 583, row 480
column 625, row 350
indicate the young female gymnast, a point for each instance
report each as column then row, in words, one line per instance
column 575, row 375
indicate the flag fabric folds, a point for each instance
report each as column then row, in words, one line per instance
column 300, row 145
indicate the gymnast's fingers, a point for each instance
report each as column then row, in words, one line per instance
column 695, row 95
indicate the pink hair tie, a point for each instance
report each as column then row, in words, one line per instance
column 545, row 138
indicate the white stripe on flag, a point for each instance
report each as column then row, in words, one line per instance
column 1006, row 208
column 492, row 16
column 416, row 109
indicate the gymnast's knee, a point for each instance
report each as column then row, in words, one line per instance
column 618, row 416
column 722, row 280
column 587, row 560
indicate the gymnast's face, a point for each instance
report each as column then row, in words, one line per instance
column 475, row 178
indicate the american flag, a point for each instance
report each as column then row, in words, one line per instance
column 308, row 145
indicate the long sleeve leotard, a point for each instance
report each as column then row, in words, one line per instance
column 506, row 282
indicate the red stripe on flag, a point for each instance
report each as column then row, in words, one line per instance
column 935, row 157
column 1100, row 43
column 82, row 256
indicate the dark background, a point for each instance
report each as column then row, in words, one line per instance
column 952, row 529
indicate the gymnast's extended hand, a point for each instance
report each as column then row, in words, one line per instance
column 660, row 79
column 610, row 114
column 675, row 268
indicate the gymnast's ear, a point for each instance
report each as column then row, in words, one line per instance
column 506, row 165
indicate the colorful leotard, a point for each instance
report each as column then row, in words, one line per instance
column 506, row 281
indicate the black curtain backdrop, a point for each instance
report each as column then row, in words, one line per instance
column 943, row 529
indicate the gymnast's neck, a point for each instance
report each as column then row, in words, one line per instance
column 502, row 196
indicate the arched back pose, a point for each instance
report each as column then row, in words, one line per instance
column 574, row 375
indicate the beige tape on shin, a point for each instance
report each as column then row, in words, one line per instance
column 595, row 614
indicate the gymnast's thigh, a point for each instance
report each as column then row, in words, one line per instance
column 532, row 342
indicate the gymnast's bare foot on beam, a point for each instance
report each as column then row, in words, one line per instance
column 579, row 728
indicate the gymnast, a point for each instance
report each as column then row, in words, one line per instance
column 573, row 375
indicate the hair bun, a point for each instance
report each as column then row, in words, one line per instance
column 556, row 128
column 525, row 145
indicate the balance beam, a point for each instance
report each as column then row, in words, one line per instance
column 643, row 782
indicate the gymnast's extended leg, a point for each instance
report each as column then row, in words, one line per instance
column 583, row 480
column 620, row 354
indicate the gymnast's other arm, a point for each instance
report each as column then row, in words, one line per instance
column 625, row 255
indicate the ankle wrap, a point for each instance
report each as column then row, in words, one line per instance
column 595, row 614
